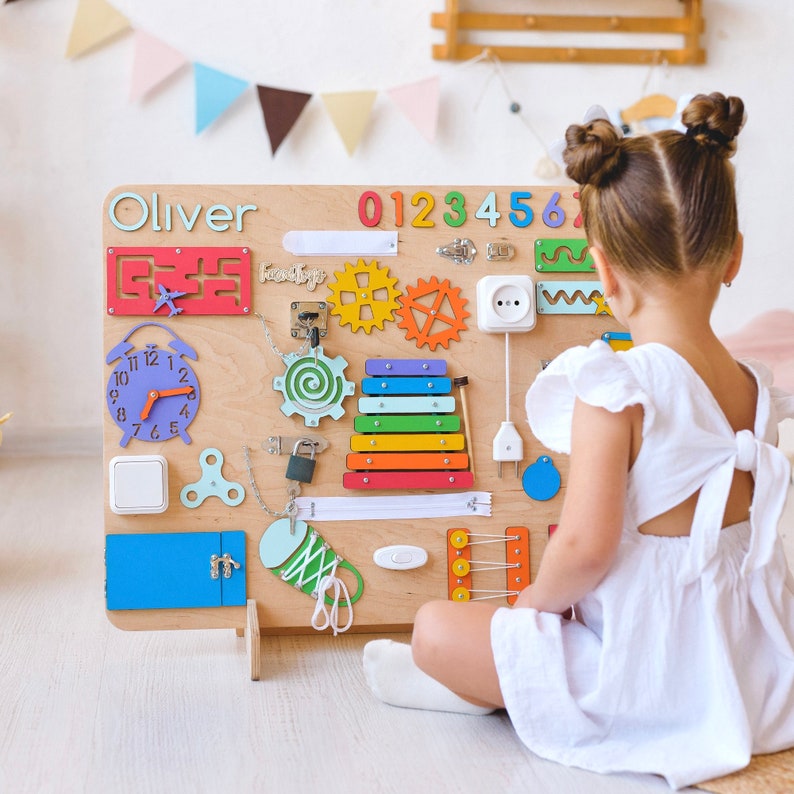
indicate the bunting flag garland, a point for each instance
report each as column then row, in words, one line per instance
column 280, row 109
column 95, row 23
column 215, row 92
column 349, row 111
column 419, row 102
column 154, row 62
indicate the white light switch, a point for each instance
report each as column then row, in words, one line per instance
column 138, row 484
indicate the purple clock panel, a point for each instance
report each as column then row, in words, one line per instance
column 152, row 393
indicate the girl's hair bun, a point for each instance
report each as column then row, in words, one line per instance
column 714, row 120
column 592, row 152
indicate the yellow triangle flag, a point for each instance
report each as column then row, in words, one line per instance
column 349, row 112
column 95, row 23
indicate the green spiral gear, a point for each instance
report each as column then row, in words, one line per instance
column 313, row 386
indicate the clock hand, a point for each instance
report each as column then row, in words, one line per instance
column 155, row 395
column 172, row 392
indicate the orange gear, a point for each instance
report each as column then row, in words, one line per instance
column 376, row 283
column 443, row 310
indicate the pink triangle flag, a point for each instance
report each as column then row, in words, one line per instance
column 154, row 61
column 419, row 102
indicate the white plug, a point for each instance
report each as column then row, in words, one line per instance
column 507, row 446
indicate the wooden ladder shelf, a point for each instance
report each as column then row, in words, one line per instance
column 456, row 24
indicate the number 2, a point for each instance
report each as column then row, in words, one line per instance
column 421, row 220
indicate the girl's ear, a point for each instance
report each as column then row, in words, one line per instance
column 605, row 271
column 735, row 262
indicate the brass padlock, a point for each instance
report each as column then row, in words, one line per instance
column 301, row 468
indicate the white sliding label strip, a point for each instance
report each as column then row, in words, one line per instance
column 358, row 508
column 325, row 243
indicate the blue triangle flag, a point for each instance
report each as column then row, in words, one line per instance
column 215, row 92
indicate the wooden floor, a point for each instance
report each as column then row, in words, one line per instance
column 89, row 708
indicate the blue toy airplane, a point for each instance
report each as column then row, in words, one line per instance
column 167, row 298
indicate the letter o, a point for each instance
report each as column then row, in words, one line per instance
column 123, row 226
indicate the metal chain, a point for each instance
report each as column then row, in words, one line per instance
column 301, row 350
column 289, row 507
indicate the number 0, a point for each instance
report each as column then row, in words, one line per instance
column 377, row 208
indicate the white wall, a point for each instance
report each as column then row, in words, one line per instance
column 68, row 135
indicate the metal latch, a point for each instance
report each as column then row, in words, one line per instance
column 460, row 251
column 305, row 315
column 226, row 561
column 499, row 252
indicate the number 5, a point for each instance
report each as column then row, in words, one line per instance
column 516, row 197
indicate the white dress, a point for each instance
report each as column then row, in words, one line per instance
column 681, row 661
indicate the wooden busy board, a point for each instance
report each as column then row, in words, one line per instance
column 210, row 298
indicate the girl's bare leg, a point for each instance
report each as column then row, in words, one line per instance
column 449, row 666
column 452, row 643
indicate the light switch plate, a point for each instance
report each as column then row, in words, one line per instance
column 138, row 484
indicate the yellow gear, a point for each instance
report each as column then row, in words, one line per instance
column 364, row 295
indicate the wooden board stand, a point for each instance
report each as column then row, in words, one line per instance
column 226, row 249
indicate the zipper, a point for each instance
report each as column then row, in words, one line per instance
column 358, row 508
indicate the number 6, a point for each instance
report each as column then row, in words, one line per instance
column 553, row 214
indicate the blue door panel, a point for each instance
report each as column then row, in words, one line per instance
column 171, row 570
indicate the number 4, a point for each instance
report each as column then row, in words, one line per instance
column 487, row 210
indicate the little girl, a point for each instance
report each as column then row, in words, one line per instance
column 658, row 635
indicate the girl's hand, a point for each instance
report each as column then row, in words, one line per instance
column 524, row 600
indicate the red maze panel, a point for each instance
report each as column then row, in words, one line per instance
column 189, row 280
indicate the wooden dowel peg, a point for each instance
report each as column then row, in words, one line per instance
column 461, row 382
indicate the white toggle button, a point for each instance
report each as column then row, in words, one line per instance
column 400, row 557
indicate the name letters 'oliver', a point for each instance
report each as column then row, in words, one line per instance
column 136, row 212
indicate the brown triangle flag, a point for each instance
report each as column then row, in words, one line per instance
column 281, row 109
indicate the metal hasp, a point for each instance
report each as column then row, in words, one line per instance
column 460, row 251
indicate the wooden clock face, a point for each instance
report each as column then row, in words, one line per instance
column 152, row 395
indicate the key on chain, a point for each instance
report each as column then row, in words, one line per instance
column 299, row 470
column 292, row 510
column 314, row 340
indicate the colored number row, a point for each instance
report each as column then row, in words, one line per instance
column 521, row 214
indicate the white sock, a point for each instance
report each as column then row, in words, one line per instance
column 393, row 677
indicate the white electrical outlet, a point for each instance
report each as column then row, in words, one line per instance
column 506, row 304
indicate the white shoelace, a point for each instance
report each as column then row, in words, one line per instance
column 326, row 578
